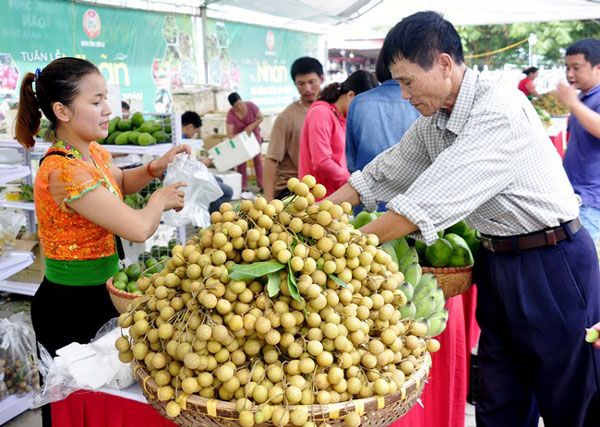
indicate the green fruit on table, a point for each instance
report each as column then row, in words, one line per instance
column 112, row 124
column 112, row 137
column 137, row 119
column 438, row 254
column 363, row 218
column 160, row 136
column 132, row 287
column 472, row 239
column 124, row 125
column 146, row 139
column 123, row 138
column 133, row 137
column 461, row 254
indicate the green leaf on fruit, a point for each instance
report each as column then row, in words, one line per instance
column 338, row 281
column 274, row 284
column 254, row 270
column 293, row 284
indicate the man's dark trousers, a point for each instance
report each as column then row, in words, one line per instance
column 533, row 307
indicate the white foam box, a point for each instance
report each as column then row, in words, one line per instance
column 235, row 151
column 233, row 179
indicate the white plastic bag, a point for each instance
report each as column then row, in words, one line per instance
column 200, row 190
column 10, row 224
column 90, row 366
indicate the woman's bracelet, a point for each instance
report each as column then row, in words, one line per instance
column 149, row 172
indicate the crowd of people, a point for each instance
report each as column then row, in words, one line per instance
column 431, row 145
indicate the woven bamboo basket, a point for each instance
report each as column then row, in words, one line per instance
column 453, row 280
column 375, row 411
column 120, row 299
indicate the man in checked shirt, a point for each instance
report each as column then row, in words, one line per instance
column 480, row 153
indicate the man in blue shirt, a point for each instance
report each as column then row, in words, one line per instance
column 582, row 159
column 377, row 120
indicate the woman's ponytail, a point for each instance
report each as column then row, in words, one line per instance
column 331, row 92
column 29, row 114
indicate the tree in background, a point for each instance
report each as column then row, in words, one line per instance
column 553, row 38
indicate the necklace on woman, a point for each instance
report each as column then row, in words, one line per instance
column 59, row 143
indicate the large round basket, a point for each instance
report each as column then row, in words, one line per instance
column 120, row 299
column 453, row 280
column 375, row 411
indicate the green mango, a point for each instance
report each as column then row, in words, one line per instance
column 146, row 139
column 408, row 311
column 134, row 271
column 461, row 254
column 409, row 257
column 123, row 138
column 472, row 239
column 413, row 274
column 420, row 247
column 133, row 137
column 427, row 285
column 112, row 124
column 363, row 218
column 112, row 137
column 137, row 119
column 124, row 125
column 401, row 246
column 160, row 136
column 149, row 126
column 425, row 307
column 459, row 228
column 438, row 254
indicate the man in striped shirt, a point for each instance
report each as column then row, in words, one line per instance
column 479, row 152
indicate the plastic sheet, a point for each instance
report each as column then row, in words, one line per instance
column 201, row 189
column 18, row 362
column 78, row 366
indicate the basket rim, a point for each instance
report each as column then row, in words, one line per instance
column 448, row 270
column 224, row 409
column 118, row 292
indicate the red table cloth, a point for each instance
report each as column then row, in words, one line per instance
column 93, row 409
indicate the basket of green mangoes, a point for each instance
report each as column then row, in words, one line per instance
column 124, row 286
column 450, row 258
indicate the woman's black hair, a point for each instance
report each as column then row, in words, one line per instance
column 233, row 98
column 358, row 82
column 57, row 82
column 530, row 70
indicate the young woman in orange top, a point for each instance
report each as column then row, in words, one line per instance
column 78, row 199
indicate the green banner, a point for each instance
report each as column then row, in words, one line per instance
column 255, row 61
column 148, row 54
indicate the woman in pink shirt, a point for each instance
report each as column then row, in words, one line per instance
column 245, row 116
column 323, row 137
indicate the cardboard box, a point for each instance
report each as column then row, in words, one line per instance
column 212, row 140
column 35, row 272
column 234, row 151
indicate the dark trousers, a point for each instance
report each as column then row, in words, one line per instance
column 533, row 307
column 226, row 197
column 65, row 314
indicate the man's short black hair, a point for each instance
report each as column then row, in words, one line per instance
column 589, row 48
column 124, row 105
column 233, row 98
column 419, row 38
column 306, row 65
column 190, row 117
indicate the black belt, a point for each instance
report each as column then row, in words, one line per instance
column 547, row 237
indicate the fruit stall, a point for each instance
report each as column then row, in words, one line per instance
column 284, row 313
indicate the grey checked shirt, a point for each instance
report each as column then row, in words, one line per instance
column 489, row 161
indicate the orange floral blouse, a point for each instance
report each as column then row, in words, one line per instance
column 64, row 234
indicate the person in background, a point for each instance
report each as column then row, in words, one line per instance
column 527, row 85
column 190, row 126
column 78, row 197
column 281, row 161
column 125, row 110
column 244, row 116
column 480, row 153
column 323, row 137
column 377, row 119
column 582, row 159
